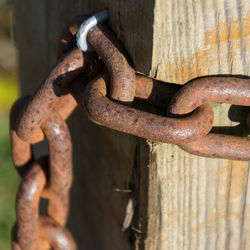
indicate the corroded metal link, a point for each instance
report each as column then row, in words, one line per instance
column 60, row 166
column 103, row 111
column 65, row 106
column 211, row 89
column 33, row 183
column 155, row 92
column 44, row 99
column 27, row 207
column 111, row 52
column 122, row 87
column 51, row 235
column 21, row 150
column 70, row 66
column 58, row 237
column 220, row 146
column 214, row 89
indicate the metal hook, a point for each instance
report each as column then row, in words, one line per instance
column 86, row 26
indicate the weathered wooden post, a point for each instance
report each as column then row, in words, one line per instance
column 181, row 201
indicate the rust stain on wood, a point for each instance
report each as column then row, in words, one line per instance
column 207, row 56
column 216, row 50
column 223, row 31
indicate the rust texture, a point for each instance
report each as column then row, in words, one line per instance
column 211, row 89
column 220, row 146
column 51, row 235
column 103, row 111
column 214, row 89
column 27, row 207
column 31, row 119
column 187, row 132
column 43, row 100
column 122, row 87
column 67, row 69
column 21, row 150
column 110, row 51
column 57, row 236
column 155, row 92
column 42, row 178
column 60, row 169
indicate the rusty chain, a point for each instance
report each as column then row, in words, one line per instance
column 215, row 89
column 48, row 178
column 79, row 78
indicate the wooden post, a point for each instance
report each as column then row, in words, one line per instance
column 180, row 201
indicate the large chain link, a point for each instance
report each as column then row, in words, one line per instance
column 47, row 177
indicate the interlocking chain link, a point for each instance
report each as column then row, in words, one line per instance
column 214, row 89
column 49, row 178
column 84, row 79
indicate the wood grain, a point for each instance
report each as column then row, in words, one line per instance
column 198, row 203
column 197, row 38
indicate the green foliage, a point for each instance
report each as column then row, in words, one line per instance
column 8, row 178
column 8, row 92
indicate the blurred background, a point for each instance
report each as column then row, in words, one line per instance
column 8, row 93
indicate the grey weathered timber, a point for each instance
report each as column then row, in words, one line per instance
column 181, row 201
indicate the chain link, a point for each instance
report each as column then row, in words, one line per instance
column 45, row 177
column 214, row 89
